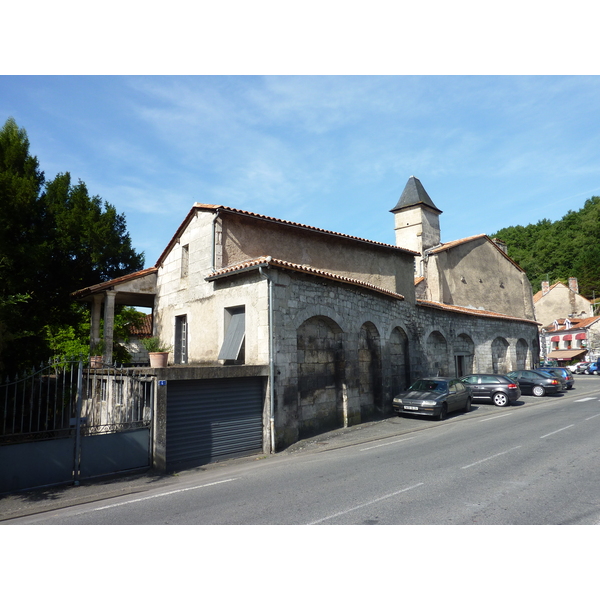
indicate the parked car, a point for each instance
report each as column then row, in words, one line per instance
column 434, row 397
column 548, row 373
column 501, row 390
column 579, row 367
column 538, row 384
column 562, row 372
column 592, row 368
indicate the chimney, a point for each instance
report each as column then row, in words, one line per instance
column 545, row 287
column 573, row 285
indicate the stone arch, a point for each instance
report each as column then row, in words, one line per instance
column 399, row 360
column 500, row 357
column 522, row 352
column 436, row 349
column 321, row 375
column 370, row 383
column 464, row 352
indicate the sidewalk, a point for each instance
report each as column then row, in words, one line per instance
column 21, row 504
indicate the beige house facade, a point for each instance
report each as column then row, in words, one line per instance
column 559, row 301
column 326, row 327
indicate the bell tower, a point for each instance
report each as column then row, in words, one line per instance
column 416, row 219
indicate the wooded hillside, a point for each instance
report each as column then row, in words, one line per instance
column 554, row 251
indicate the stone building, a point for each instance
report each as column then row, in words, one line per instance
column 316, row 329
column 559, row 302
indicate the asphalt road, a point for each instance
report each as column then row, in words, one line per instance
column 536, row 463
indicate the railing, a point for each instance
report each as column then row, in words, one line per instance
column 44, row 403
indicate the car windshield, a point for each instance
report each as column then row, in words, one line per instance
column 428, row 385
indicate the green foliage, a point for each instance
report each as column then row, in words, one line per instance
column 154, row 344
column 54, row 239
column 554, row 251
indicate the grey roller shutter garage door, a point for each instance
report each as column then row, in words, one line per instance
column 212, row 419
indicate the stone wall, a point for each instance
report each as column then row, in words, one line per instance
column 341, row 353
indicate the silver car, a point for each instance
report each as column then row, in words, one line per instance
column 434, row 397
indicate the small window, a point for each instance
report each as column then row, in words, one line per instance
column 235, row 333
column 185, row 260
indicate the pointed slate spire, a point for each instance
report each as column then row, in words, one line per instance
column 414, row 193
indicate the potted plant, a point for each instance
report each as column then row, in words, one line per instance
column 157, row 350
column 97, row 354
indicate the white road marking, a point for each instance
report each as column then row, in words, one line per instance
column 593, row 417
column 343, row 512
column 490, row 457
column 195, row 487
column 553, row 432
column 585, row 399
column 387, row 444
column 495, row 417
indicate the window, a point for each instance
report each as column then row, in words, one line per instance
column 185, row 260
column 235, row 333
column 181, row 345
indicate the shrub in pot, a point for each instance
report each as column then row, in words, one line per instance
column 157, row 350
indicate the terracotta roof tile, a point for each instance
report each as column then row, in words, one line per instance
column 215, row 207
column 269, row 261
column 473, row 311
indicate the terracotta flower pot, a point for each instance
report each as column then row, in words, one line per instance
column 158, row 359
column 95, row 362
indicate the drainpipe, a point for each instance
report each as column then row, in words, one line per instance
column 214, row 239
column 271, row 359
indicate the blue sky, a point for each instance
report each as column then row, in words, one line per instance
column 329, row 151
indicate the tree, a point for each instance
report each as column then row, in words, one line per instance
column 54, row 239
column 554, row 251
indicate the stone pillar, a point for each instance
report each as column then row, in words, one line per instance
column 109, row 323
column 95, row 323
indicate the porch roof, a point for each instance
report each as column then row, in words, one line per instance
column 135, row 289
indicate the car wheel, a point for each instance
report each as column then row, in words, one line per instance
column 500, row 399
column 586, row 372
column 538, row 391
column 443, row 412
column 468, row 405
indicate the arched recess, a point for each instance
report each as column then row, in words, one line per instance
column 464, row 351
column 436, row 349
column 399, row 360
column 522, row 351
column 500, row 359
column 369, row 366
column 535, row 353
column 321, row 374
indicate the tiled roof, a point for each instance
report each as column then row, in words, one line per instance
column 220, row 208
column 449, row 245
column 269, row 261
column 575, row 324
column 145, row 328
column 472, row 311
column 112, row 282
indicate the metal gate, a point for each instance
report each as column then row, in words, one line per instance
column 212, row 419
column 66, row 423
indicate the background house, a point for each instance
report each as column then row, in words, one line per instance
column 559, row 301
column 569, row 340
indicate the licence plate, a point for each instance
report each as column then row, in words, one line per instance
column 411, row 408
